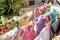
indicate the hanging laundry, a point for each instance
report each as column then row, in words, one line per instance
column 9, row 35
column 45, row 32
column 47, row 7
column 43, row 35
column 37, row 12
column 43, row 9
column 29, row 14
column 24, row 20
column 55, row 25
column 40, row 21
column 55, row 30
column 27, row 32
column 15, row 18
column 53, row 16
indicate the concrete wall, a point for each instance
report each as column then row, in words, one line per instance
column 27, row 2
column 36, row 2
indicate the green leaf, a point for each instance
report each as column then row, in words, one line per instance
column 6, row 5
column 1, row 1
column 3, row 21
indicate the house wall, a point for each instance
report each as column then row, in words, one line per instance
column 27, row 2
column 36, row 1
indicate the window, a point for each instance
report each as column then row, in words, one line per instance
column 31, row 2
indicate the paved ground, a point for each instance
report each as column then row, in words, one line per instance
column 30, row 8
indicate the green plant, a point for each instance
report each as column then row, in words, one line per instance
column 2, row 9
column 10, row 7
column 14, row 24
column 3, row 21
